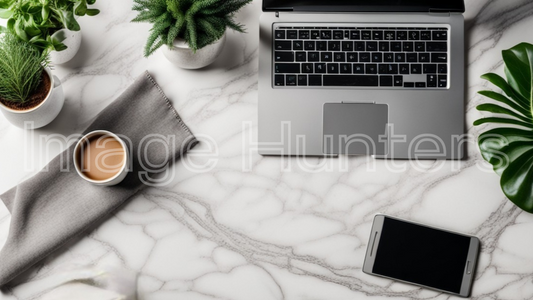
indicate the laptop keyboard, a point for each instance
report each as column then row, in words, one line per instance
column 382, row 57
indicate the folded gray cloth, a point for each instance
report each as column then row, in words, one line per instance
column 56, row 206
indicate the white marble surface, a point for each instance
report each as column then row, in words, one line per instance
column 285, row 229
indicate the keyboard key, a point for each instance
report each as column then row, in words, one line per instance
column 423, row 57
column 384, row 46
column 359, row 46
column 313, row 56
column 346, row 34
column 425, row 35
column 287, row 68
column 377, row 57
column 338, row 35
column 396, row 46
column 412, row 57
column 282, row 45
column 307, row 68
column 416, row 69
column 339, row 57
column 399, row 57
column 303, row 34
column 290, row 80
column 436, row 46
column 385, row 80
column 301, row 56
column 420, row 84
column 429, row 69
column 371, row 69
column 326, row 56
column 333, row 68
column 334, row 46
column 315, row 80
column 351, row 56
column 350, row 80
column 325, row 34
column 414, row 35
column 320, row 68
column 401, row 35
column 321, row 45
column 389, row 35
column 279, row 80
column 388, row 57
column 398, row 80
column 355, row 35
column 391, row 69
column 279, row 34
column 404, row 69
column 443, row 81
column 366, row 35
column 347, row 46
column 377, row 35
column 440, row 35
column 292, row 34
column 432, row 80
column 420, row 46
column 443, row 69
column 309, row 45
column 302, row 80
column 287, row 56
column 364, row 57
column 315, row 34
column 297, row 45
column 407, row 46
column 409, row 84
column 371, row 46
column 346, row 68
column 439, row 57
column 358, row 68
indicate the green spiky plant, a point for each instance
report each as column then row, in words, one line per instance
column 198, row 22
column 21, row 68
column 510, row 148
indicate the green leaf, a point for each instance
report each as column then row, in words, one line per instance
column 5, row 13
column 69, row 21
column 494, row 108
column 92, row 11
column 3, row 29
column 510, row 150
column 45, row 13
column 80, row 8
column 19, row 30
column 518, row 61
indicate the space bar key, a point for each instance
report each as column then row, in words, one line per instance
column 350, row 80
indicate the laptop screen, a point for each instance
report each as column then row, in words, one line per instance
column 365, row 5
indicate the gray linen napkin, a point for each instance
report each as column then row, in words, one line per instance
column 53, row 207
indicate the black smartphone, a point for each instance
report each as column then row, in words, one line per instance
column 429, row 257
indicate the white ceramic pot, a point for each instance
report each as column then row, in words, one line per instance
column 43, row 113
column 72, row 41
column 182, row 56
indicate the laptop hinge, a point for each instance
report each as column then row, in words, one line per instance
column 439, row 11
column 277, row 14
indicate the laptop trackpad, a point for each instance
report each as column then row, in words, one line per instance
column 355, row 128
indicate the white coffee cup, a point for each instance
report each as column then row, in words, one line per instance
column 85, row 141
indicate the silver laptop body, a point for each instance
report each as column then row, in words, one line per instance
column 421, row 122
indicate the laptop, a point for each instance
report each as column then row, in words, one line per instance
column 380, row 77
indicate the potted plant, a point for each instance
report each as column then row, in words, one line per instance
column 193, row 30
column 509, row 148
column 28, row 91
column 49, row 25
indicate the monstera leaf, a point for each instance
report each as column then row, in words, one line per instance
column 510, row 149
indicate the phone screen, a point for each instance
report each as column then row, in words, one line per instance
column 421, row 255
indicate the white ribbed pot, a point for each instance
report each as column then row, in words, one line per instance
column 72, row 41
column 42, row 114
column 182, row 56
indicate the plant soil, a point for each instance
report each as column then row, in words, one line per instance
column 35, row 99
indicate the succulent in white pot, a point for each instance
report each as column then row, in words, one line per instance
column 48, row 25
column 29, row 94
column 192, row 30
